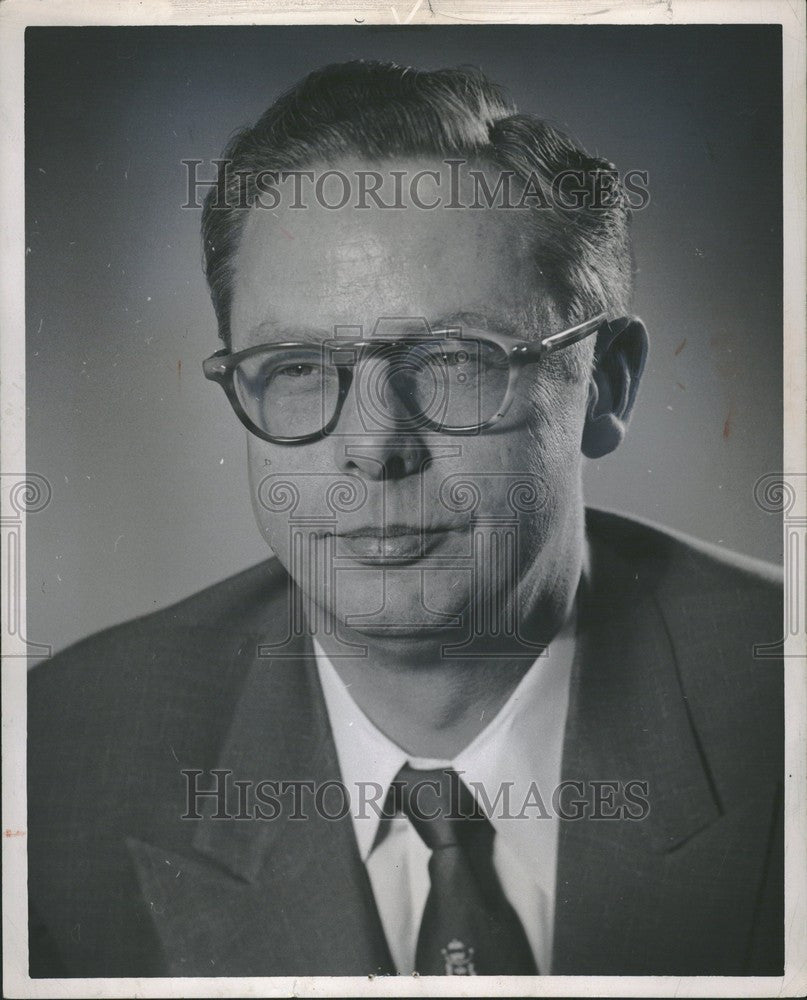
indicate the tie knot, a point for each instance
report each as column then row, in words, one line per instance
column 438, row 804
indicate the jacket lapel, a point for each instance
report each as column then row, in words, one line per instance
column 282, row 896
column 666, row 894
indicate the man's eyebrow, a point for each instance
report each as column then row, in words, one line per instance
column 269, row 332
column 475, row 320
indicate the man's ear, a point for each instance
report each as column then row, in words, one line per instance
column 618, row 364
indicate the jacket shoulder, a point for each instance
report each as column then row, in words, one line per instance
column 163, row 680
column 668, row 559
column 719, row 607
column 723, row 615
column 235, row 607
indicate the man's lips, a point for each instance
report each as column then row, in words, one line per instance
column 394, row 542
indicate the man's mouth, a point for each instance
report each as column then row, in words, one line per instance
column 396, row 543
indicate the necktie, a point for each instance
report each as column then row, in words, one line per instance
column 468, row 926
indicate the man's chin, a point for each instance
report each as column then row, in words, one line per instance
column 410, row 619
column 413, row 632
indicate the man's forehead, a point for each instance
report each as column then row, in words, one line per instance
column 315, row 269
column 354, row 233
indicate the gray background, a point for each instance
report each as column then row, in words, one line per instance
column 146, row 461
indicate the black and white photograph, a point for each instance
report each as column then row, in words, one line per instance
column 403, row 506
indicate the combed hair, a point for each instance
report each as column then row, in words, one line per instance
column 379, row 111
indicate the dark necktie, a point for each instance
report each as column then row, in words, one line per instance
column 468, row 927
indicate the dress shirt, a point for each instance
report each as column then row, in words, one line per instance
column 520, row 750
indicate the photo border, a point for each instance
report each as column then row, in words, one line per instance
column 15, row 16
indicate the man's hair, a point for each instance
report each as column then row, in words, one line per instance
column 380, row 111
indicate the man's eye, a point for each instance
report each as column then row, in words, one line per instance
column 294, row 371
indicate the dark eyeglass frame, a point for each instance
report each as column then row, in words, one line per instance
column 220, row 367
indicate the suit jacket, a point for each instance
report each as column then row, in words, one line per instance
column 665, row 690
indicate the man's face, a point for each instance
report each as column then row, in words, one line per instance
column 429, row 518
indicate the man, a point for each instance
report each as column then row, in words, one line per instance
column 458, row 724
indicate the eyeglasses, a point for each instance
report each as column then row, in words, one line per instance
column 455, row 382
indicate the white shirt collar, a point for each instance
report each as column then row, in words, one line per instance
column 521, row 745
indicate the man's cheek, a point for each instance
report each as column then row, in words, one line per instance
column 275, row 530
column 555, row 435
column 272, row 525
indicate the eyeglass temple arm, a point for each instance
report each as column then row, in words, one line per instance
column 568, row 337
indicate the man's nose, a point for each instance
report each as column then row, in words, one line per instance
column 379, row 434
